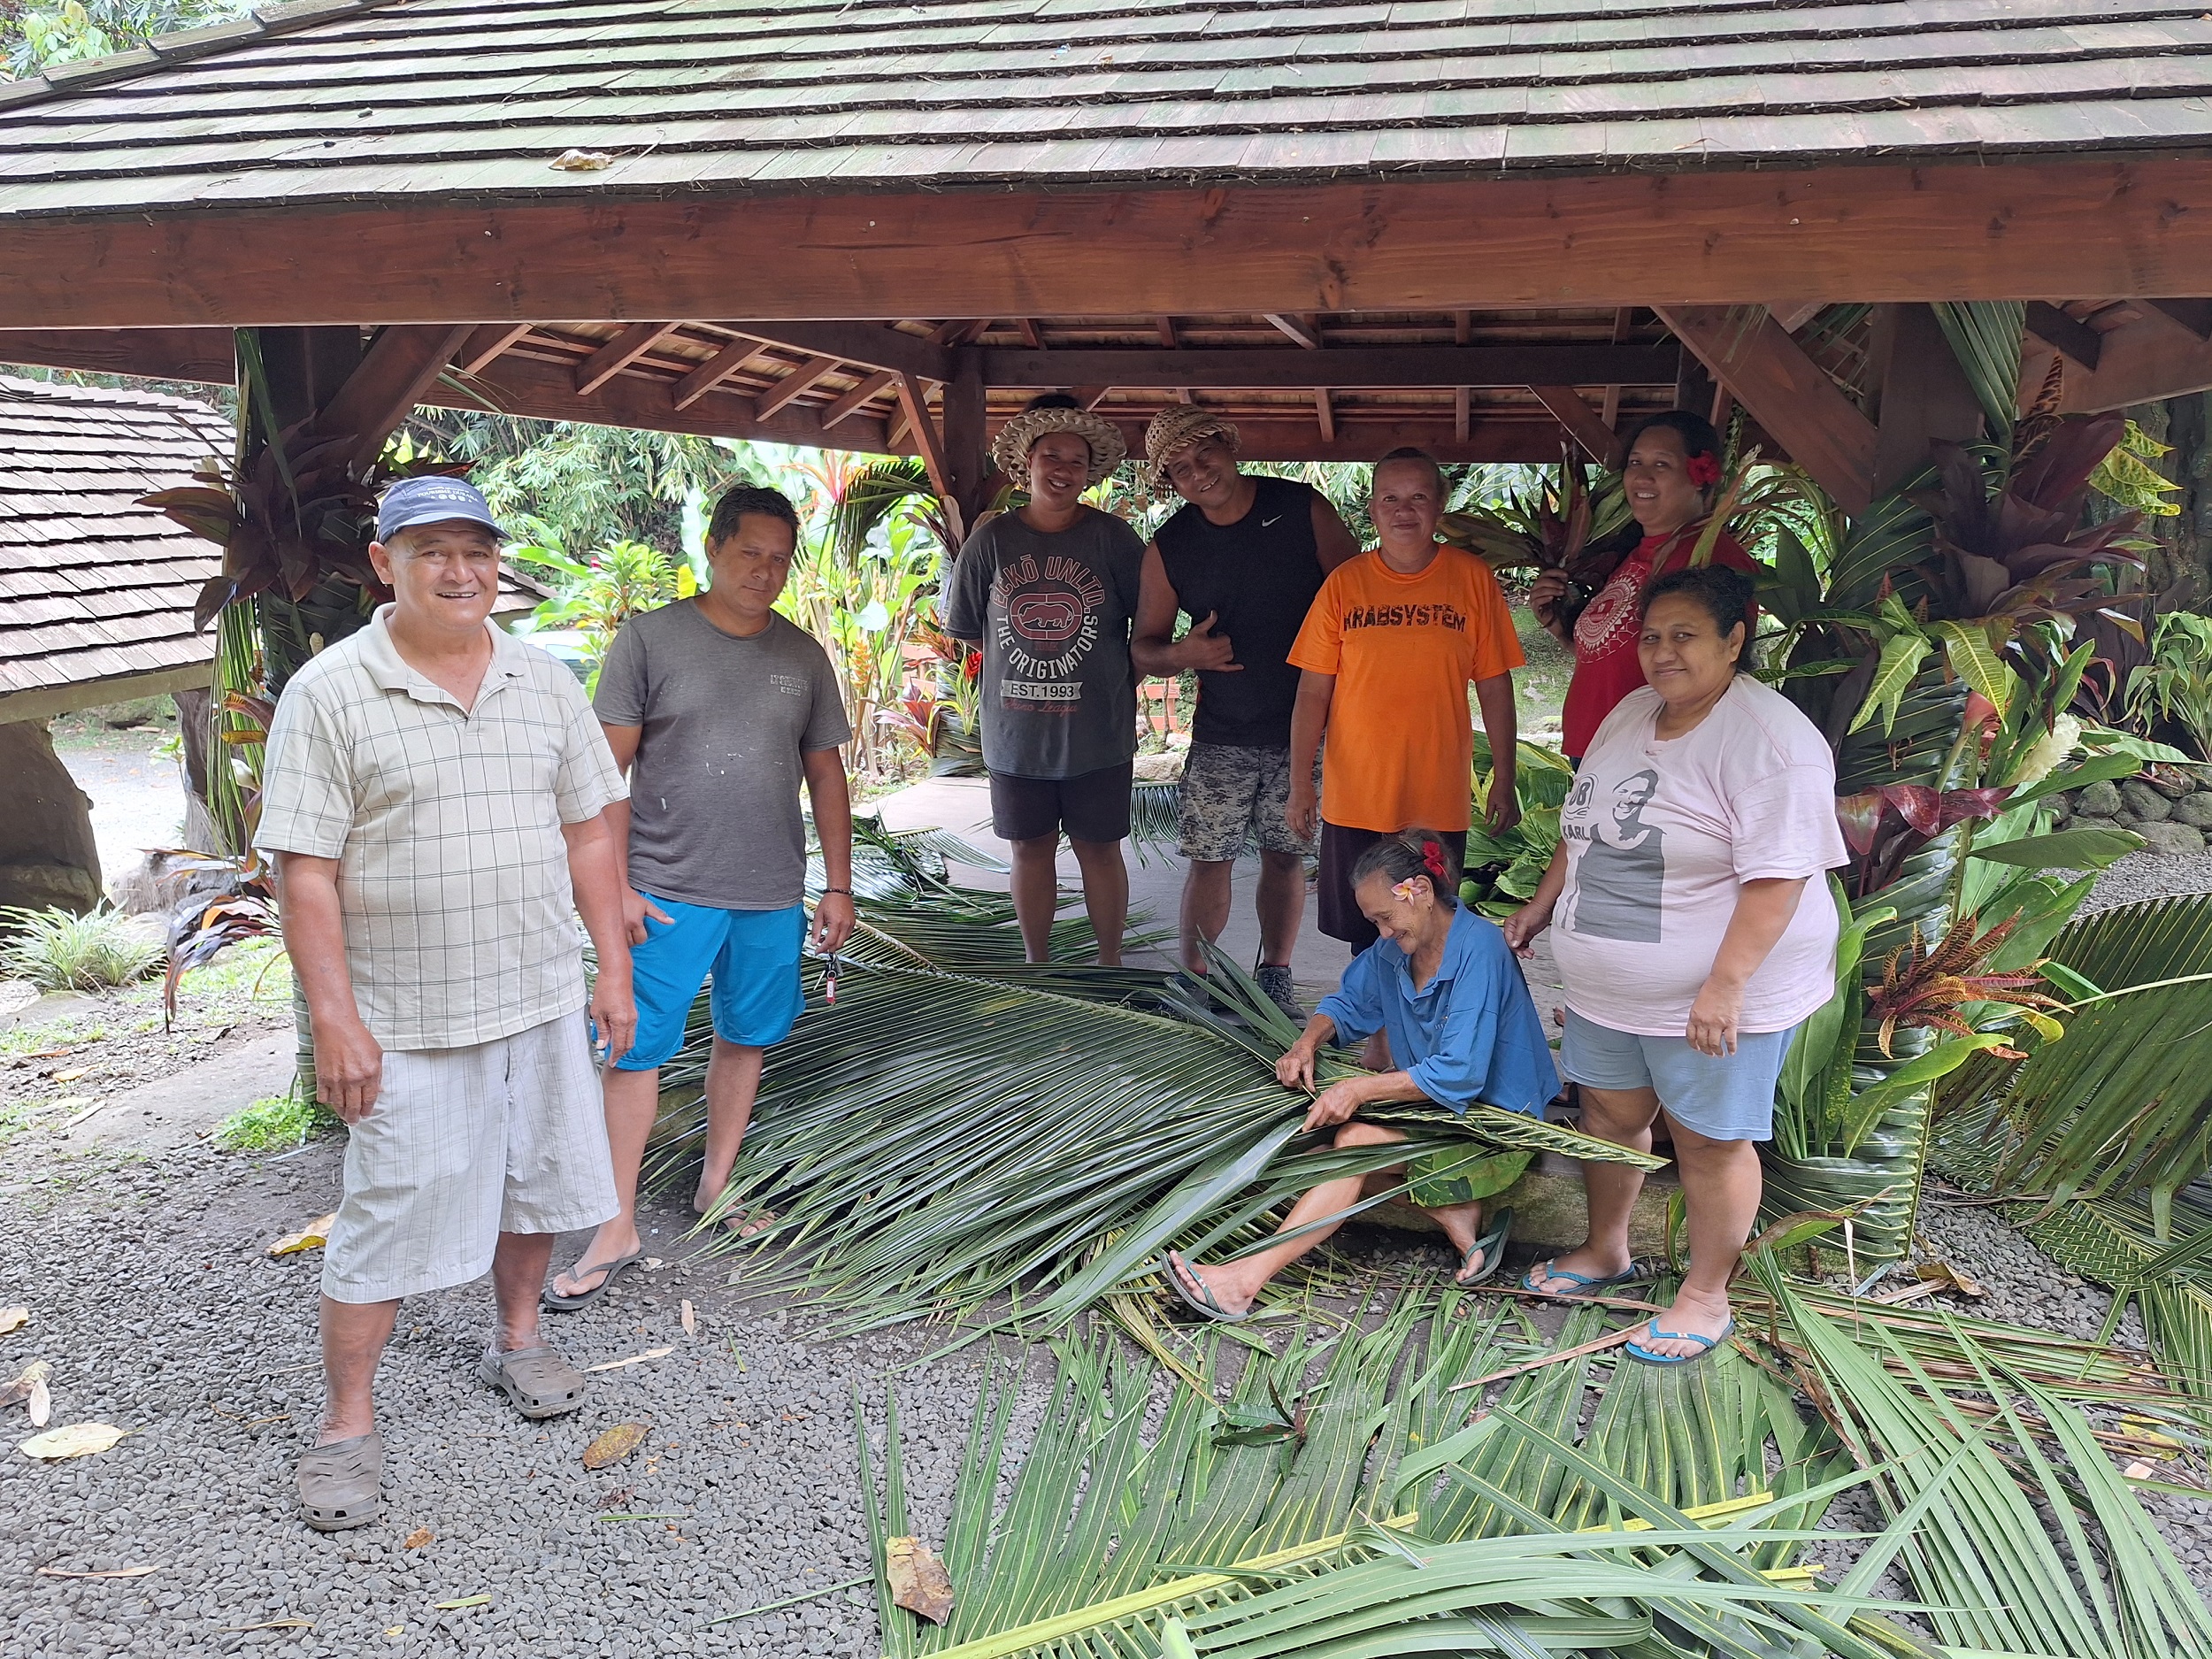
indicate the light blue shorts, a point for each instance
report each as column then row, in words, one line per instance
column 754, row 958
column 1727, row 1098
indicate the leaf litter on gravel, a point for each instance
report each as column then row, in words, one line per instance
column 30, row 1390
column 13, row 1320
column 77, row 1439
column 612, row 1445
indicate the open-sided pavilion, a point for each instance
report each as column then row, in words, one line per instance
column 1475, row 224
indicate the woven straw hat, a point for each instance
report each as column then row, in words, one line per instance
column 1174, row 429
column 1010, row 449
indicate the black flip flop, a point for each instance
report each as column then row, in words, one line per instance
column 1491, row 1244
column 1201, row 1302
column 612, row 1271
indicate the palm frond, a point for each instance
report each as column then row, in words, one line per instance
column 1154, row 826
column 1985, row 336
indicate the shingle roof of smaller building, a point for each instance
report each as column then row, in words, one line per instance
column 93, row 586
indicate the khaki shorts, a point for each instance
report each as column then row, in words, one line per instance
column 463, row 1145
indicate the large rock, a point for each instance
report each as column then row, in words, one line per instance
column 2100, row 799
column 2146, row 802
column 2062, row 809
column 47, row 857
column 2171, row 838
column 2194, row 810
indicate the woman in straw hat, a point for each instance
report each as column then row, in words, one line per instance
column 1048, row 592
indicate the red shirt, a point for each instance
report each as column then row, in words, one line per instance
column 1606, row 669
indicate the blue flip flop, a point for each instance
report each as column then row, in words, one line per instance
column 1202, row 1302
column 1706, row 1345
column 1584, row 1285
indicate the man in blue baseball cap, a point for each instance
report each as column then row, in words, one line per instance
column 434, row 799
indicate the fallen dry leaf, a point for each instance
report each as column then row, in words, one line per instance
column 396, row 1630
column 105, row 1573
column 614, row 1445
column 16, row 1393
column 635, row 1359
column 40, row 1403
column 918, row 1580
column 70, row 1075
column 461, row 1601
column 653, row 1264
column 582, row 161
column 78, row 1440
column 1944, row 1273
column 13, row 1320
column 691, row 1321
column 313, row 1236
column 417, row 1539
column 2138, row 1470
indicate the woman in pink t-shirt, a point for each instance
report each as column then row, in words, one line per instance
column 1673, row 466
column 1688, row 946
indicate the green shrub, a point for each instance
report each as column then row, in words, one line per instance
column 58, row 951
column 279, row 1120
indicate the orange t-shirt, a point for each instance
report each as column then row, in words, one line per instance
column 1404, row 649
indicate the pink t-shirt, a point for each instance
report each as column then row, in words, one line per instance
column 1660, row 836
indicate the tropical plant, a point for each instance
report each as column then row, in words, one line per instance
column 2128, row 477
column 598, row 593
column 60, row 950
column 2176, row 684
column 37, row 33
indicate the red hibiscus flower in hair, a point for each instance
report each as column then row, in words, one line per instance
column 1704, row 470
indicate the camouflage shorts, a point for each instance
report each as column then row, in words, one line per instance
column 1234, row 796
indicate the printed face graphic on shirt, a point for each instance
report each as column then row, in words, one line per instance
column 1622, row 865
column 1048, row 612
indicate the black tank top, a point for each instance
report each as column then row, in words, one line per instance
column 1259, row 576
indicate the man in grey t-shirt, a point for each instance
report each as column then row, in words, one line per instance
column 1049, row 592
column 720, row 709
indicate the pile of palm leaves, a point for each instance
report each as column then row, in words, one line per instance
column 1336, row 1498
column 960, row 1126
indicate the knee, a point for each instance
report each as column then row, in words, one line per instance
column 1275, row 864
column 1359, row 1134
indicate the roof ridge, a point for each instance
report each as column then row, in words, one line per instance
column 260, row 23
column 20, row 388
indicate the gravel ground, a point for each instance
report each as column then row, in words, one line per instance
column 154, row 1301
column 2151, row 876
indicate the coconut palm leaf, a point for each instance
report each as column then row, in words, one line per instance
column 1153, row 819
column 2123, row 1104
column 2016, row 1550
column 1985, row 336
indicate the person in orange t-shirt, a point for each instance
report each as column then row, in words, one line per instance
column 1388, row 651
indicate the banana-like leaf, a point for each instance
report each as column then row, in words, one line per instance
column 2064, row 850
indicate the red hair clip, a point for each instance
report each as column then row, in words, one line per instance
column 1704, row 470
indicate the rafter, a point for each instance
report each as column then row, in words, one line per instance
column 1026, row 326
column 914, row 399
column 1582, row 423
column 1786, row 393
column 518, row 384
column 2195, row 315
column 619, row 354
column 2141, row 362
column 872, row 345
column 1326, row 414
column 796, row 384
column 1341, row 368
column 1298, row 329
column 1165, row 327
column 396, row 372
column 868, row 387
column 486, row 343
column 715, row 370
column 2054, row 328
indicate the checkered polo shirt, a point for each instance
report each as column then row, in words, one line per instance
column 446, row 823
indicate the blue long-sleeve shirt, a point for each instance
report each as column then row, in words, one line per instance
column 1471, row 1033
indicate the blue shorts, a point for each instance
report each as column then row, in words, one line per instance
column 754, row 957
column 1727, row 1098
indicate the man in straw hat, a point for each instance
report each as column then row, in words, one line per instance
column 1244, row 559
column 1047, row 591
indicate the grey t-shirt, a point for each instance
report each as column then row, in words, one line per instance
column 714, row 792
column 1053, row 611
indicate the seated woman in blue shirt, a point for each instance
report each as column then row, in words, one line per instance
column 1444, row 990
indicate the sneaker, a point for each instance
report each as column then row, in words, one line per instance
column 1282, row 991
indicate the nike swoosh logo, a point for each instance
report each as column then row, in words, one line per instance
column 1265, row 522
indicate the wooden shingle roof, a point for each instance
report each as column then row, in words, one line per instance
column 93, row 587
column 400, row 100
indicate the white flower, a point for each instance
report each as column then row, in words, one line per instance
column 2043, row 754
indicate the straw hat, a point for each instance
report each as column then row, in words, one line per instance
column 1010, row 449
column 1174, row 429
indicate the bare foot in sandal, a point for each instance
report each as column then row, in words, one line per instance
column 747, row 1224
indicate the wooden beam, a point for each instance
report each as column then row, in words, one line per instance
column 1166, row 328
column 871, row 345
column 1462, row 327
column 396, row 372
column 1026, row 326
column 1298, row 329
column 1089, row 396
column 967, row 444
column 2091, row 223
column 801, row 381
column 156, row 354
column 1338, row 367
column 2074, row 338
column 2141, row 362
column 1325, row 414
column 619, row 354
column 486, row 343
column 1598, row 438
column 1792, row 315
column 1360, row 439
column 1462, row 412
column 1922, row 393
column 1623, row 325
column 2195, row 315
column 715, row 370
column 1786, row 393
column 546, row 391
column 915, row 401
column 868, row 387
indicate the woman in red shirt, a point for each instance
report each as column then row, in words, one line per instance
column 1672, row 470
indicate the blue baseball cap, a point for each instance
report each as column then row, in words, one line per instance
column 413, row 501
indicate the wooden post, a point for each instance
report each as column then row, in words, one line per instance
column 967, row 449
column 1922, row 393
